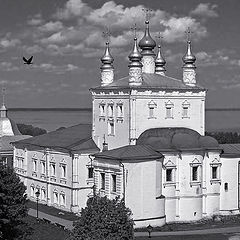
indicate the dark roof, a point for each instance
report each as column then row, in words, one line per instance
column 151, row 80
column 74, row 139
column 169, row 139
column 131, row 152
column 5, row 142
column 230, row 150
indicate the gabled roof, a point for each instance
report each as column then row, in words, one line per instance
column 150, row 80
column 5, row 142
column 76, row 138
column 130, row 152
column 230, row 150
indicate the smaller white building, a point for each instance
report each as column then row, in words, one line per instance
column 57, row 164
column 172, row 174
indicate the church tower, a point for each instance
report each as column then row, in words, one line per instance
column 189, row 68
column 160, row 62
column 147, row 45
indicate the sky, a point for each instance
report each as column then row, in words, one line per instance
column 65, row 37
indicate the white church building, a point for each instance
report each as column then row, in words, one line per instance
column 146, row 144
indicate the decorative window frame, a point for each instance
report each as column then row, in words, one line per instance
column 120, row 111
column 185, row 104
column 32, row 190
column 215, row 163
column 63, row 178
column 111, row 133
column 169, row 165
column 102, row 111
column 55, row 194
column 43, row 194
column 168, row 105
column 112, row 183
column 62, row 199
column 196, row 163
column 110, row 112
column 151, row 109
column 43, row 173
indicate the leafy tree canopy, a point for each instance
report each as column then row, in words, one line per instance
column 104, row 219
column 12, row 204
column 225, row 137
column 30, row 130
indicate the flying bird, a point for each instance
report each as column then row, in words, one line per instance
column 28, row 61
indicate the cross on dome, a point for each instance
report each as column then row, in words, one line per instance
column 147, row 12
column 134, row 29
column 160, row 37
column 107, row 34
column 189, row 34
column 3, row 95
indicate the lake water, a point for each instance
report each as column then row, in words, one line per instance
column 216, row 120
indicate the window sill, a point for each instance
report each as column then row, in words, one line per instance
column 102, row 118
column 195, row 183
column 215, row 181
column 185, row 117
column 53, row 179
column 111, row 135
column 169, row 117
column 63, row 180
column 89, row 181
column 168, row 184
column 120, row 119
column 152, row 117
column 34, row 174
column 43, row 176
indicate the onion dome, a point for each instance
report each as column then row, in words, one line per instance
column 107, row 59
column 147, row 44
column 135, row 56
column 189, row 59
column 160, row 62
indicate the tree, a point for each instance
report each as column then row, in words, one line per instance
column 225, row 137
column 30, row 130
column 13, row 208
column 104, row 219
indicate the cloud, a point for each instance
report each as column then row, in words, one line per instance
column 205, row 10
column 72, row 9
column 61, row 69
column 36, row 20
column 8, row 66
column 8, row 41
column 5, row 82
column 51, row 26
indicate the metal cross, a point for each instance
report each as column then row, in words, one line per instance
column 159, row 36
column 106, row 34
column 134, row 29
column 147, row 12
column 188, row 32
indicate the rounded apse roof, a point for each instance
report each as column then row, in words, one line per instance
column 176, row 139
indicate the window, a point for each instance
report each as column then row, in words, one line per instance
column 214, row 172
column 43, row 194
column 102, row 175
column 90, row 172
column 169, row 109
column 102, row 109
column 169, row 175
column 185, row 109
column 32, row 192
column 43, row 164
column 55, row 197
column 110, row 110
column 34, row 165
column 4, row 161
column 63, row 169
column 120, row 110
column 226, row 187
column 195, row 173
column 111, row 128
column 168, row 112
column 114, row 183
column 62, row 199
column 151, row 106
column 53, row 169
column 185, row 112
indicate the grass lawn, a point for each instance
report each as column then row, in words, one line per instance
column 205, row 223
column 52, row 211
column 189, row 237
column 45, row 231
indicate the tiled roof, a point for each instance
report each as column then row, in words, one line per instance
column 177, row 139
column 131, row 152
column 74, row 139
column 230, row 150
column 151, row 80
column 5, row 141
